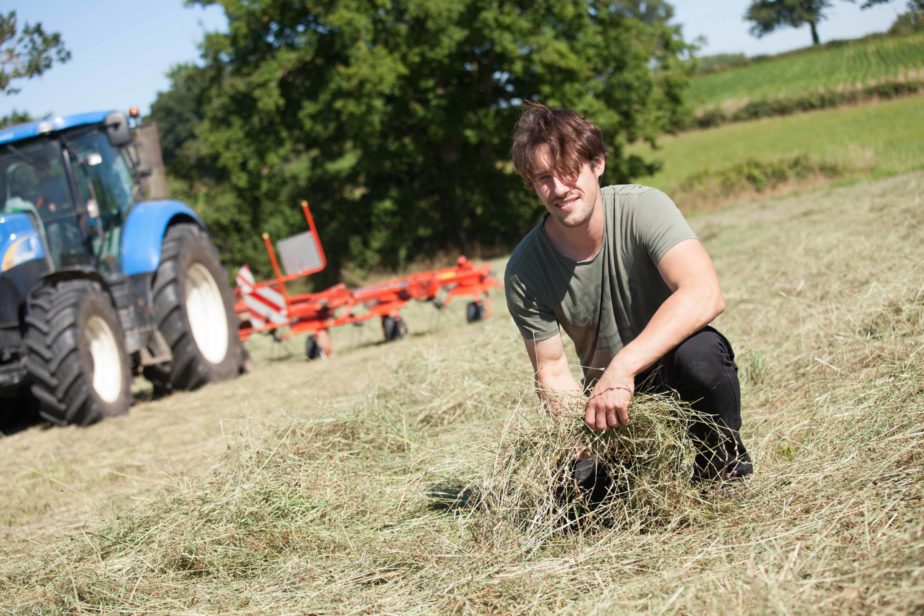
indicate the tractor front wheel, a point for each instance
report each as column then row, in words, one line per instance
column 194, row 308
column 77, row 361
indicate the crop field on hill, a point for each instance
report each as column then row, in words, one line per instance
column 322, row 487
column 843, row 66
column 875, row 140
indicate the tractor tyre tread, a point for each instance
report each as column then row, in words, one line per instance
column 60, row 366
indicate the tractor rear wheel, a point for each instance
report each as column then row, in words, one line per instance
column 77, row 362
column 194, row 309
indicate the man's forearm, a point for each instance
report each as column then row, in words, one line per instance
column 556, row 388
column 684, row 313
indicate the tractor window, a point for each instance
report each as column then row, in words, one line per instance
column 34, row 181
column 111, row 178
column 103, row 176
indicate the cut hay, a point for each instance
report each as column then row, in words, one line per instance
column 325, row 487
column 554, row 475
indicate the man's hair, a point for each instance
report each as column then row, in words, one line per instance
column 572, row 140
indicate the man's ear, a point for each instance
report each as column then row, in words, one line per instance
column 598, row 166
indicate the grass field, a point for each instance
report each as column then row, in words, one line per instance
column 311, row 488
column 848, row 65
column 875, row 140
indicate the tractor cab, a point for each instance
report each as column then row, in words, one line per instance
column 76, row 183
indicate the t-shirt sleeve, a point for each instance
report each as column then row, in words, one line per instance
column 535, row 321
column 658, row 224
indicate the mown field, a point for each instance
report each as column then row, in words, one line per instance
column 875, row 140
column 320, row 487
column 846, row 65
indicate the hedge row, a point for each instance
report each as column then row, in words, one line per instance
column 757, row 175
column 824, row 99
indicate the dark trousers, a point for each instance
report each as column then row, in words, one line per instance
column 702, row 371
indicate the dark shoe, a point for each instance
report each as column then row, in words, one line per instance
column 730, row 482
column 729, row 460
column 739, row 469
column 585, row 483
column 591, row 479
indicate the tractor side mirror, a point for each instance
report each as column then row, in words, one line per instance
column 117, row 129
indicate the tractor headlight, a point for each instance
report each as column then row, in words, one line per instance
column 25, row 247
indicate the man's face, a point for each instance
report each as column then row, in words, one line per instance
column 570, row 202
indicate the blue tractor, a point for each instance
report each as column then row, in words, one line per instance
column 96, row 283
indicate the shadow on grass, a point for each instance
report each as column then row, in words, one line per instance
column 453, row 496
column 19, row 414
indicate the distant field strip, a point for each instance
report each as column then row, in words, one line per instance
column 878, row 140
column 849, row 65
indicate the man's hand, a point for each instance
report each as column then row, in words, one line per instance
column 608, row 406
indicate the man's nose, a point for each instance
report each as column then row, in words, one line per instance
column 560, row 187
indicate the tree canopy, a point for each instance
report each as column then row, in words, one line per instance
column 26, row 53
column 767, row 16
column 393, row 117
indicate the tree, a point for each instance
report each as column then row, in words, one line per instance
column 15, row 117
column 393, row 117
column 178, row 111
column 914, row 6
column 27, row 54
column 770, row 15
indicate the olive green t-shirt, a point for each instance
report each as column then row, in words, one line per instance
column 605, row 302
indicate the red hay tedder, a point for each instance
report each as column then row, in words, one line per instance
column 268, row 307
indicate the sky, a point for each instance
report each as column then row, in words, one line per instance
column 122, row 49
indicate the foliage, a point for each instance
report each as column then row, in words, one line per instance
column 719, row 62
column 753, row 175
column 15, row 117
column 906, row 23
column 393, row 117
column 27, row 53
column 177, row 112
column 769, row 15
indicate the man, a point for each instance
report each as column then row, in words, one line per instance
column 619, row 269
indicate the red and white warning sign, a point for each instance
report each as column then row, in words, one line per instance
column 264, row 304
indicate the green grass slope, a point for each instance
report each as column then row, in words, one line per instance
column 875, row 140
column 847, row 65
column 310, row 488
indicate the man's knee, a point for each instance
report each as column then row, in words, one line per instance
column 705, row 360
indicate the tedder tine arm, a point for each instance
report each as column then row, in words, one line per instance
column 280, row 279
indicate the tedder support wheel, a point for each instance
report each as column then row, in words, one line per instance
column 194, row 308
column 76, row 354
column 474, row 311
column 313, row 348
column 393, row 328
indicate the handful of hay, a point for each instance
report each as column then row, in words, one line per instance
column 553, row 474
